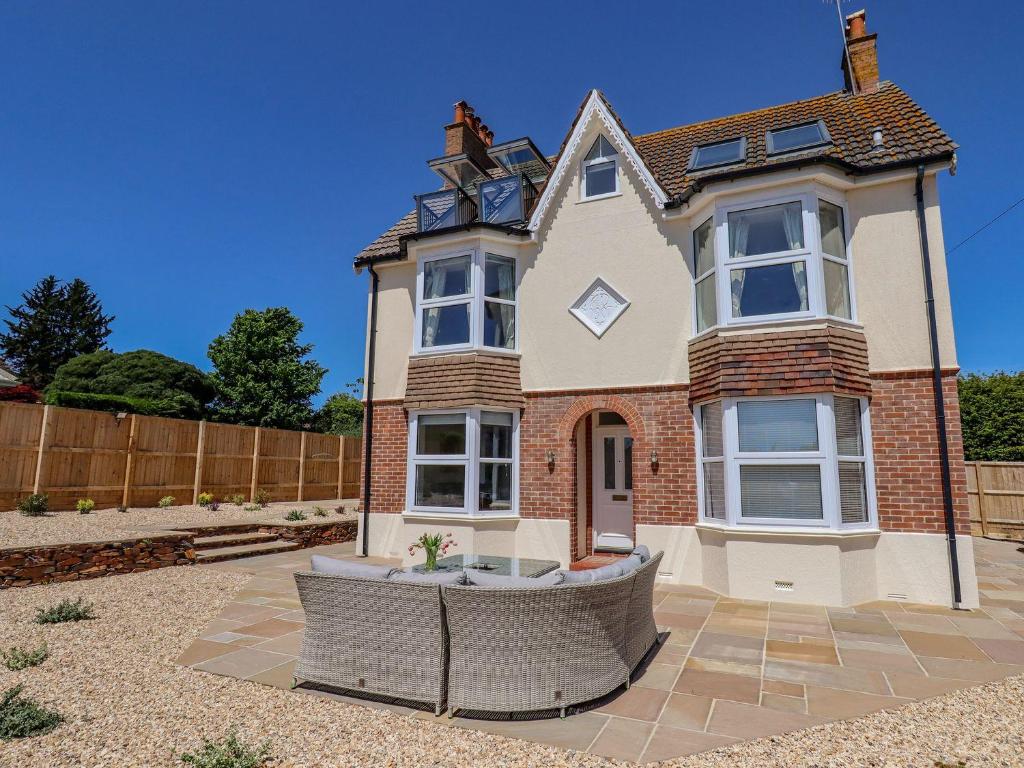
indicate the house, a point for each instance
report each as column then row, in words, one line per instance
column 7, row 379
column 718, row 340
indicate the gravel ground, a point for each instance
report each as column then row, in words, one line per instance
column 127, row 703
column 64, row 527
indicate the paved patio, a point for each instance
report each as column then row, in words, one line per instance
column 728, row 670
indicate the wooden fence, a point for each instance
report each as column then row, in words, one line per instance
column 995, row 490
column 70, row 454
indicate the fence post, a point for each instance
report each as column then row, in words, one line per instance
column 302, row 465
column 981, row 498
column 129, row 463
column 255, row 465
column 341, row 464
column 200, row 450
column 44, row 435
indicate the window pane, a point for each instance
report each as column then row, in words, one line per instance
column 776, row 289
column 501, row 201
column 718, row 154
column 704, row 248
column 714, row 490
column 495, row 486
column 441, row 434
column 711, row 428
column 785, row 492
column 837, row 289
column 446, row 325
column 627, row 449
column 446, row 277
column 833, row 236
column 609, row 463
column 777, row 425
column 600, row 179
column 799, row 136
column 770, row 229
column 849, row 440
column 853, row 495
column 495, row 435
column 499, row 325
column 707, row 311
column 499, row 277
column 610, row 419
column 600, row 148
column 440, row 485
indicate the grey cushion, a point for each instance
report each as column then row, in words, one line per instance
column 321, row 564
column 642, row 552
column 630, row 563
column 484, row 579
column 435, row 577
column 609, row 571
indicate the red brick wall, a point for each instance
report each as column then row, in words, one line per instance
column 908, row 477
column 390, row 445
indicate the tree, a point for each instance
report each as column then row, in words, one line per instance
column 992, row 415
column 260, row 375
column 55, row 323
column 342, row 413
column 184, row 390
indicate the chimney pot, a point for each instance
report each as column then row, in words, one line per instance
column 860, row 59
column 482, row 133
column 490, row 139
column 474, row 123
column 460, row 111
column 856, row 25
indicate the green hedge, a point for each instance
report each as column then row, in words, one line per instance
column 116, row 403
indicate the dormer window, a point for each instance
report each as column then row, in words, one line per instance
column 600, row 170
column 797, row 137
column 719, row 153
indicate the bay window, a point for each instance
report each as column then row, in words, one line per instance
column 795, row 461
column 466, row 301
column 773, row 260
column 463, row 462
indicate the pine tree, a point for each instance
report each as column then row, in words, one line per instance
column 54, row 323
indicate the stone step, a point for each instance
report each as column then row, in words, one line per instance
column 231, row 539
column 245, row 550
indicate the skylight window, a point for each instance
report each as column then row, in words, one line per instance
column 797, row 137
column 720, row 153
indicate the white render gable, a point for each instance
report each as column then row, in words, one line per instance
column 595, row 108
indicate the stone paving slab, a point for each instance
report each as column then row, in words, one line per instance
column 726, row 671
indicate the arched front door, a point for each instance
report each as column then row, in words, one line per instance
column 612, row 483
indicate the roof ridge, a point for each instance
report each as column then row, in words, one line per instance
column 735, row 115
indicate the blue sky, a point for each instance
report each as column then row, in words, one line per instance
column 192, row 159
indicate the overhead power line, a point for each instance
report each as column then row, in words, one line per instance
column 985, row 226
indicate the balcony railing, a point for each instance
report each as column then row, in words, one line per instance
column 506, row 200
column 447, row 208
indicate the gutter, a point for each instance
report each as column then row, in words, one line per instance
column 940, row 405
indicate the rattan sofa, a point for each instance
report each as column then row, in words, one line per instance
column 519, row 650
column 495, row 649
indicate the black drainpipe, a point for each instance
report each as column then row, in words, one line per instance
column 368, row 444
column 940, row 404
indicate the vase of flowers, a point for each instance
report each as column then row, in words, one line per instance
column 433, row 544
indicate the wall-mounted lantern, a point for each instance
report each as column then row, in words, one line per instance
column 654, row 458
column 551, row 460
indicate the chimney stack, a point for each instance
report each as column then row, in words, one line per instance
column 467, row 135
column 863, row 56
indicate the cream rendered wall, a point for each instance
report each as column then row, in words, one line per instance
column 888, row 275
column 396, row 307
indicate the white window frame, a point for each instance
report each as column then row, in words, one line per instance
column 712, row 273
column 471, row 460
column 585, row 164
column 475, row 298
column 826, row 457
column 811, row 254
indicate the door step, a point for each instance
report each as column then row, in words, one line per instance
column 245, row 550
column 233, row 539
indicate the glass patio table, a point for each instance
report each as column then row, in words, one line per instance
column 501, row 566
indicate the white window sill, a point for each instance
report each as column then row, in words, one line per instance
column 605, row 196
column 787, row 321
column 466, row 350
column 456, row 516
column 788, row 531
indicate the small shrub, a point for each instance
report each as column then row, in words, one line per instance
column 21, row 716
column 165, row 502
column 238, row 499
column 251, row 507
column 205, row 499
column 34, row 505
column 19, row 658
column 122, row 508
column 65, row 610
column 319, row 511
column 214, row 506
column 340, row 509
column 295, row 515
column 229, row 752
column 85, row 506
column 262, row 497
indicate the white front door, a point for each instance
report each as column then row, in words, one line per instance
column 613, row 488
